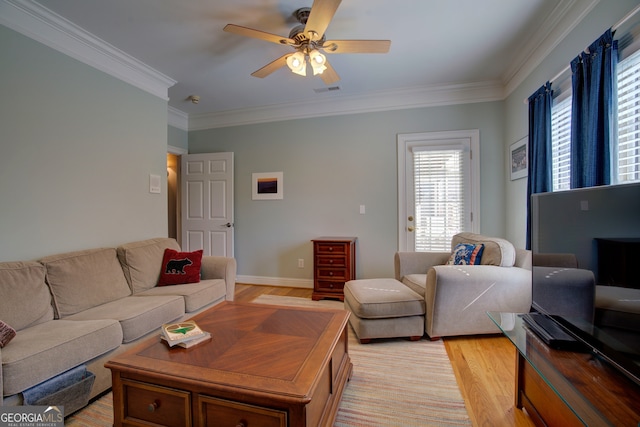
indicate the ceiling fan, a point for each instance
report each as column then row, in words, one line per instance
column 308, row 41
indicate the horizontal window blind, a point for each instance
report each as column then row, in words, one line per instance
column 440, row 196
column 561, row 144
column 629, row 119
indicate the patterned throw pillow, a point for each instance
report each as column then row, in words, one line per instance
column 6, row 334
column 466, row 254
column 179, row 268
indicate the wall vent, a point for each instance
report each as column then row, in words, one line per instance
column 327, row 89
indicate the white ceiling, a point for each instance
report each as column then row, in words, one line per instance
column 483, row 48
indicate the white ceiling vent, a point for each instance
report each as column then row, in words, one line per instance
column 327, row 89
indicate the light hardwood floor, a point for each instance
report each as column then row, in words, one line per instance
column 484, row 367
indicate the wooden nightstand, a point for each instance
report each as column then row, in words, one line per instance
column 334, row 263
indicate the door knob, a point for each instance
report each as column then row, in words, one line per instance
column 228, row 225
column 410, row 218
column 410, row 228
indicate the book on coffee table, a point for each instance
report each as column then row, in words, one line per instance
column 182, row 333
column 191, row 343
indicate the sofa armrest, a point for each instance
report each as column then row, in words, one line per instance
column 458, row 297
column 417, row 262
column 524, row 259
column 555, row 260
column 217, row 267
column 565, row 291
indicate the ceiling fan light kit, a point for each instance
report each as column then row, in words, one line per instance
column 297, row 62
column 309, row 41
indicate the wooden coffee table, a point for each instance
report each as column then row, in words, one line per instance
column 265, row 366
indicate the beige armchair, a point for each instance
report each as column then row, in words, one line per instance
column 458, row 297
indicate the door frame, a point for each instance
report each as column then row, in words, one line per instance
column 171, row 149
column 405, row 141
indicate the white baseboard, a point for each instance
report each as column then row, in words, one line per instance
column 284, row 282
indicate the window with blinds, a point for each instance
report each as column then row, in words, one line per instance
column 629, row 119
column 626, row 151
column 441, row 195
column 561, row 144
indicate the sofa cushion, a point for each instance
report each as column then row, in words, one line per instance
column 142, row 261
column 179, row 268
column 137, row 315
column 48, row 349
column 497, row 251
column 25, row 298
column 382, row 298
column 196, row 295
column 84, row 279
column 466, row 254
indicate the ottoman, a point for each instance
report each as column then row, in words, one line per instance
column 384, row 308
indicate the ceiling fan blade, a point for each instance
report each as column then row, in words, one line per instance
column 257, row 34
column 356, row 46
column 329, row 76
column 322, row 12
column 271, row 67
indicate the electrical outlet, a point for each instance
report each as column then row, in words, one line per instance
column 300, row 263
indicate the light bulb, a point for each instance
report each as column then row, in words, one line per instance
column 317, row 62
column 297, row 63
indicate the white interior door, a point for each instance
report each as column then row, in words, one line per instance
column 207, row 203
column 438, row 188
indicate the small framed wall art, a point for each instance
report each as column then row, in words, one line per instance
column 519, row 159
column 267, row 186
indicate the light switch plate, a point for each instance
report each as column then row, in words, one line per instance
column 154, row 183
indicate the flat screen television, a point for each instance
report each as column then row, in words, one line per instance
column 578, row 222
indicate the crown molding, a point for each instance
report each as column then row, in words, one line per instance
column 415, row 97
column 178, row 119
column 39, row 23
column 560, row 22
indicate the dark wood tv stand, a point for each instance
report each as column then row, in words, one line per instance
column 567, row 388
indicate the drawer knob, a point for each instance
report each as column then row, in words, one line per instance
column 153, row 406
column 330, row 249
column 241, row 424
column 331, row 262
column 331, row 273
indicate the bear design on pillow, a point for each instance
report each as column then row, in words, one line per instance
column 176, row 266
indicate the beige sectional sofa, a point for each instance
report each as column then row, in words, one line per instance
column 84, row 307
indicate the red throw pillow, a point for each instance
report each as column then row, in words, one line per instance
column 179, row 268
column 6, row 334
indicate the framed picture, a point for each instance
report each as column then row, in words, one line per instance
column 267, row 186
column 519, row 159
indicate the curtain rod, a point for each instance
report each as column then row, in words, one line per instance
column 615, row 27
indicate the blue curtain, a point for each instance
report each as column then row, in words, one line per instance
column 593, row 113
column 540, row 177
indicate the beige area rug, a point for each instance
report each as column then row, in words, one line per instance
column 394, row 383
